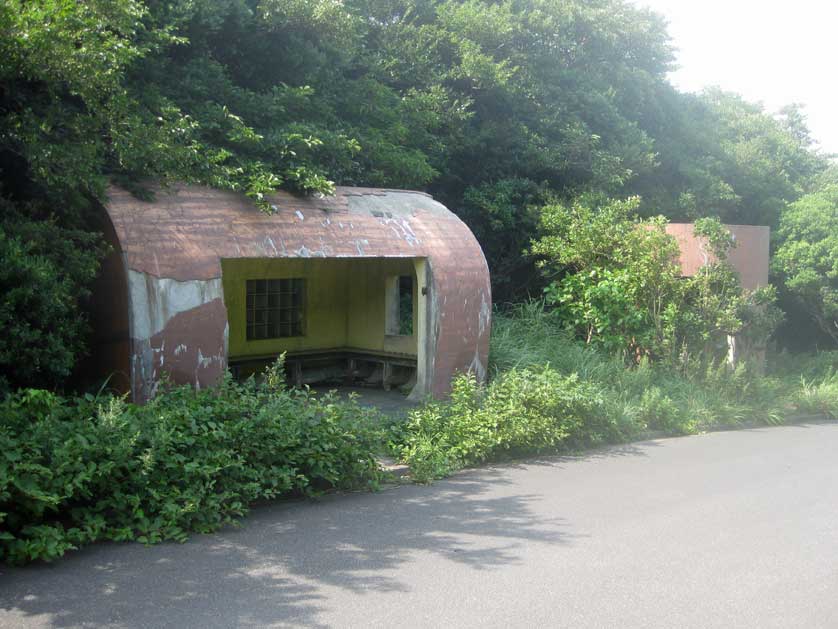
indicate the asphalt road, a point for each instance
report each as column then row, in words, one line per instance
column 734, row 529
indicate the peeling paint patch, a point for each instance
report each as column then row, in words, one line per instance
column 203, row 361
column 155, row 300
column 360, row 244
column 179, row 351
column 476, row 367
column 401, row 228
column 326, row 250
column 270, row 246
column 484, row 316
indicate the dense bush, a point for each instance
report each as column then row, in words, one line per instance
column 521, row 411
column 807, row 258
column 76, row 471
column 551, row 392
column 617, row 284
column 45, row 270
column 818, row 397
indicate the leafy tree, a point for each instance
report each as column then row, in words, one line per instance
column 721, row 156
column 617, row 277
column 618, row 284
column 44, row 274
column 807, row 258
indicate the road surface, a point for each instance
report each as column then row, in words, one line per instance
column 731, row 529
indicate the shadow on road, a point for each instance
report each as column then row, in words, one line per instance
column 279, row 567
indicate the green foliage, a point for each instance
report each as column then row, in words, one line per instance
column 551, row 393
column 616, row 275
column 651, row 395
column 76, row 471
column 521, row 411
column 503, row 215
column 659, row 412
column 721, row 156
column 811, row 366
column 44, row 273
column 65, row 109
column 818, row 397
column 497, row 108
column 807, row 258
column 619, row 285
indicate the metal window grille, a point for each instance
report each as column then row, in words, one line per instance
column 275, row 308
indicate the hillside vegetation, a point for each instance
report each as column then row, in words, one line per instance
column 548, row 126
column 496, row 108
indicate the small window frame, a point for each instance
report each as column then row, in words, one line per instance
column 275, row 308
column 400, row 296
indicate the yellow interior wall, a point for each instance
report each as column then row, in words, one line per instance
column 325, row 303
column 344, row 303
column 367, row 308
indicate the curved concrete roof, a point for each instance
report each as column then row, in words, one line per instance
column 184, row 232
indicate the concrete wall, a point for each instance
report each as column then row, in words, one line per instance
column 366, row 325
column 325, row 303
column 749, row 257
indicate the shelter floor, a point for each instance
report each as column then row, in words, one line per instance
column 393, row 403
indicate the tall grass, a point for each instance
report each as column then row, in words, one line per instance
column 661, row 398
column 550, row 392
column 818, row 397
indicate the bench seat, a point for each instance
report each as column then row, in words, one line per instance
column 352, row 355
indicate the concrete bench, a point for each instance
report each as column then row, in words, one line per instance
column 350, row 355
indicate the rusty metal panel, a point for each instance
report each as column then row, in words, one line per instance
column 749, row 257
column 173, row 247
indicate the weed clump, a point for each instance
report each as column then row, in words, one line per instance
column 549, row 392
column 74, row 471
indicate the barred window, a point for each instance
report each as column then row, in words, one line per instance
column 275, row 308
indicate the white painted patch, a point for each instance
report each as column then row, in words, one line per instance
column 270, row 246
column 326, row 250
column 203, row 361
column 476, row 367
column 155, row 300
column 299, row 215
column 402, row 229
column 484, row 317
